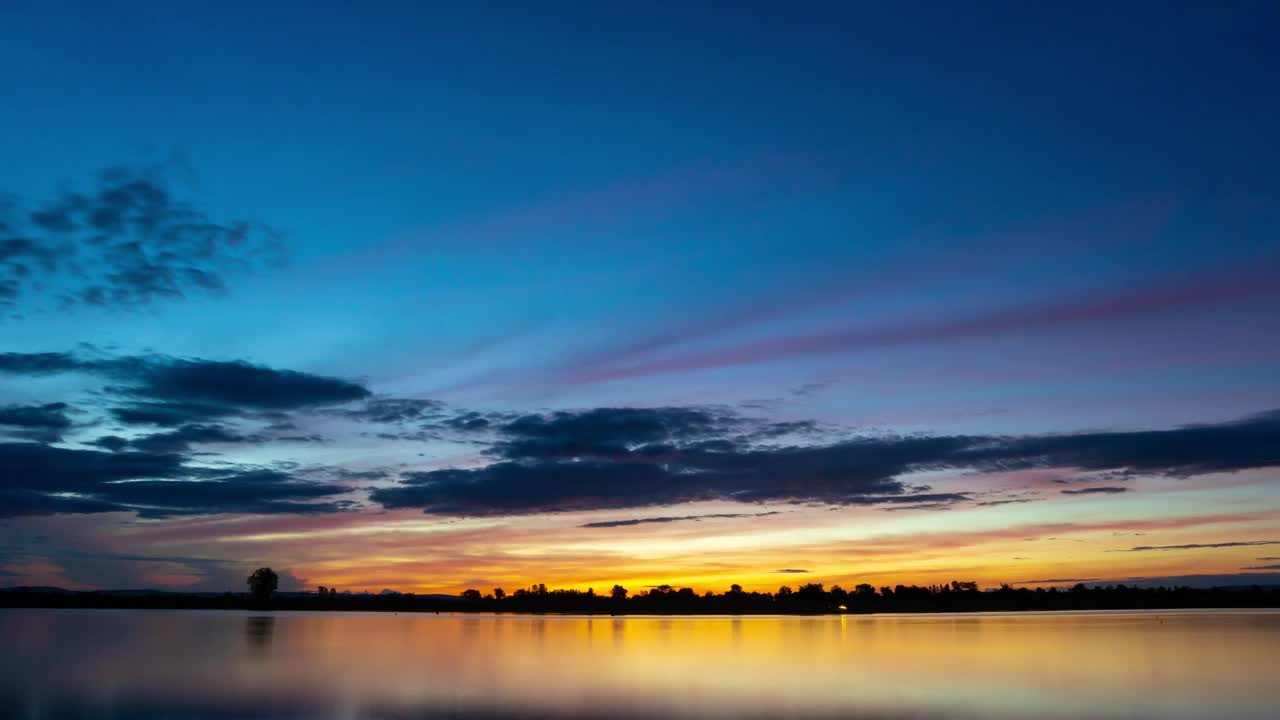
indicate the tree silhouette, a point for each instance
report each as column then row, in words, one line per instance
column 263, row 582
column 810, row 598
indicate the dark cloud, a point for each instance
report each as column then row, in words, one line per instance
column 395, row 410
column 19, row 503
column 114, row 443
column 608, row 432
column 42, row 468
column 126, row 243
column 173, row 391
column 791, row 571
column 1181, row 452
column 251, row 492
column 469, row 421
column 236, row 384
column 420, row 419
column 42, row 423
column 604, row 458
column 618, row 458
column 181, row 439
column 920, row 500
column 675, row 518
column 1106, row 490
column 1241, row 543
column 614, row 458
column 1261, row 567
column 345, row 474
column 514, row 488
column 168, row 414
column 292, row 439
column 39, row 479
column 39, row 363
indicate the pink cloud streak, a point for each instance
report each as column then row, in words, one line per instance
column 1219, row 288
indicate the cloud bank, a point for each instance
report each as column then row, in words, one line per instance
column 175, row 410
column 618, row 458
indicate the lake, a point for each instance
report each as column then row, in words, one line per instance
column 193, row 665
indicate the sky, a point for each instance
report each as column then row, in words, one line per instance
column 428, row 298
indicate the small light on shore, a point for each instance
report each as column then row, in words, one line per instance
column 841, row 608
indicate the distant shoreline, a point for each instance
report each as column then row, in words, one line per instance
column 906, row 601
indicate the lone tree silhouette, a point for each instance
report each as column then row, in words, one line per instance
column 263, row 582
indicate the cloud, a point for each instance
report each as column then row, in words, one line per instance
column 608, row 432
column 1241, row 543
column 1253, row 442
column 43, row 468
column 395, row 410
column 181, row 439
column 470, row 421
column 566, row 460
column 1096, row 491
column 614, row 458
column 809, row 390
column 918, row 500
column 114, row 443
column 236, row 384
column 169, row 414
column 127, row 242
column 671, row 519
column 39, row 363
column 19, row 503
column 250, row 492
column 191, row 401
column 791, row 571
column 172, row 391
column 1261, row 567
column 42, row 423
column 38, row 479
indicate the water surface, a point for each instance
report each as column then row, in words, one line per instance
column 192, row 665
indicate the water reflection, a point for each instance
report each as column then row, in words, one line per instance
column 120, row 664
column 258, row 630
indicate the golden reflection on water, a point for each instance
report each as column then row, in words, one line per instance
column 127, row 664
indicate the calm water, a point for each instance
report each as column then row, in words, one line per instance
column 128, row 664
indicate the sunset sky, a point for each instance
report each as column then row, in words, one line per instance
column 435, row 298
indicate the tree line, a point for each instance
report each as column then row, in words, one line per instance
column 809, row 598
column 816, row 598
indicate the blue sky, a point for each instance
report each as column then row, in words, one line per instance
column 994, row 219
